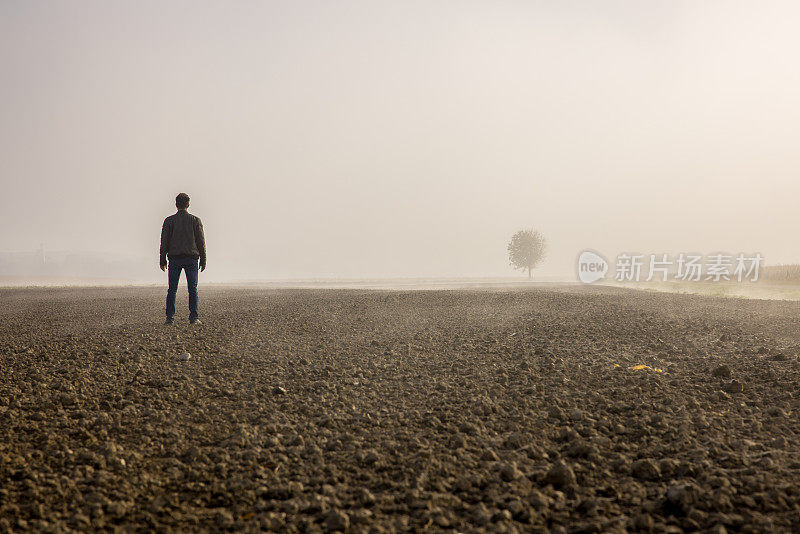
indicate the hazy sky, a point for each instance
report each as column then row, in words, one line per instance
column 404, row 138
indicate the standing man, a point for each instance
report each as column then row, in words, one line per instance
column 182, row 240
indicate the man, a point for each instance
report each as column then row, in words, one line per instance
column 182, row 240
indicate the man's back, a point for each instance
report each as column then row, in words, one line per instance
column 182, row 237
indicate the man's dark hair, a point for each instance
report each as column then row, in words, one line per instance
column 182, row 201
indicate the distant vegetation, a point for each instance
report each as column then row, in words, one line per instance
column 526, row 249
column 781, row 274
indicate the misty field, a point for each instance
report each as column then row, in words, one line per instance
column 575, row 409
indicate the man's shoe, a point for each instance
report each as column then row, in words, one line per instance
column 169, row 321
column 195, row 321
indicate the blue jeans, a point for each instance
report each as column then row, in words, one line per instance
column 190, row 265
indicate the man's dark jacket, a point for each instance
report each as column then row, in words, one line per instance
column 182, row 237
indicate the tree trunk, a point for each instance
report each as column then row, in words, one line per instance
column 529, row 273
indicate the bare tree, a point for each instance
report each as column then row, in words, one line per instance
column 526, row 249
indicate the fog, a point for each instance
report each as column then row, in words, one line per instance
column 397, row 139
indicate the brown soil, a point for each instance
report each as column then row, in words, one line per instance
column 381, row 411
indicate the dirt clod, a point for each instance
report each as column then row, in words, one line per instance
column 722, row 371
column 560, row 475
column 645, row 469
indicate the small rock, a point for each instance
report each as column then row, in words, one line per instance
column 668, row 466
column 516, row 440
column 278, row 390
column 560, row 475
column 734, row 386
column 723, row 371
column 489, row 456
column 580, row 449
column 516, row 507
column 778, row 443
column 67, row 399
column 336, row 520
column 645, row 469
column 362, row 516
column 118, row 509
column 683, row 496
column 568, row 434
column 555, row 413
column 442, row 520
column 576, row 415
column 509, row 472
column 775, row 411
column 192, row 453
column 539, row 500
column 366, row 497
column 371, row 457
column 501, row 515
column 458, row 442
column 184, row 357
column 481, row 514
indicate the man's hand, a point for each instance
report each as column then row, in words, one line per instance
column 202, row 267
column 163, row 267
